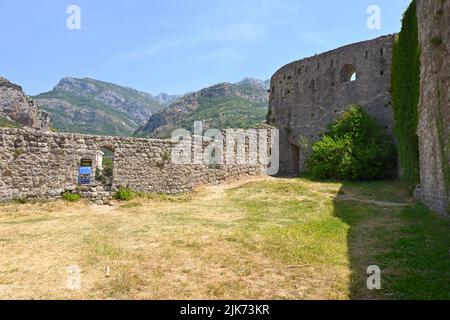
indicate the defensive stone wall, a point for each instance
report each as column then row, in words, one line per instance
column 307, row 95
column 44, row 164
column 434, row 107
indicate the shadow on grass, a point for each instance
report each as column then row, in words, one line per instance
column 409, row 243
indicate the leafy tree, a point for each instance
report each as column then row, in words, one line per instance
column 355, row 147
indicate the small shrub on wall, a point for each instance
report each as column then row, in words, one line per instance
column 355, row 147
column 71, row 197
column 124, row 194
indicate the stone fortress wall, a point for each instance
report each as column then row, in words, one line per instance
column 307, row 95
column 434, row 107
column 36, row 164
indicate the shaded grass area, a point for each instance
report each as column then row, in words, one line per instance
column 270, row 239
column 420, row 253
column 388, row 191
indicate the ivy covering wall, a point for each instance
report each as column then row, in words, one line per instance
column 406, row 93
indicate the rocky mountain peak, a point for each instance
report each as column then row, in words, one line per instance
column 6, row 83
column 74, row 85
column 224, row 105
column 97, row 107
column 165, row 98
column 252, row 82
column 17, row 106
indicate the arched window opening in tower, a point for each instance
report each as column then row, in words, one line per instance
column 348, row 73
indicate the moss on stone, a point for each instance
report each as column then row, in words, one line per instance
column 406, row 93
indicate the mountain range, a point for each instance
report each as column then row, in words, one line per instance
column 225, row 105
column 96, row 107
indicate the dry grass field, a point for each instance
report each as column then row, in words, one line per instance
column 265, row 238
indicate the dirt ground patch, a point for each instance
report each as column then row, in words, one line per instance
column 260, row 238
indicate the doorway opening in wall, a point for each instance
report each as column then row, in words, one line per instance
column 85, row 171
column 212, row 159
column 348, row 73
column 105, row 166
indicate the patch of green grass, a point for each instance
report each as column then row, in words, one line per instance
column 21, row 200
column 288, row 222
column 390, row 191
column 182, row 197
column 71, row 197
column 281, row 238
column 410, row 245
column 221, row 289
column 122, row 282
column 319, row 242
column 124, row 194
column 420, row 255
column 297, row 225
column 101, row 246
column 131, row 205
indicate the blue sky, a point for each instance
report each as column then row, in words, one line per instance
column 176, row 46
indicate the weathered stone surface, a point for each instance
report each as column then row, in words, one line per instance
column 307, row 95
column 46, row 164
column 15, row 104
column 434, row 107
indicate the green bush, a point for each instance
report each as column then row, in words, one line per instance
column 124, row 194
column 21, row 200
column 354, row 148
column 405, row 92
column 71, row 197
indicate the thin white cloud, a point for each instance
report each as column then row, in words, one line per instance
column 222, row 54
column 316, row 39
column 241, row 31
column 151, row 50
column 244, row 31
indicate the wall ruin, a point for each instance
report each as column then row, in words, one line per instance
column 307, row 95
column 44, row 164
column 434, row 107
